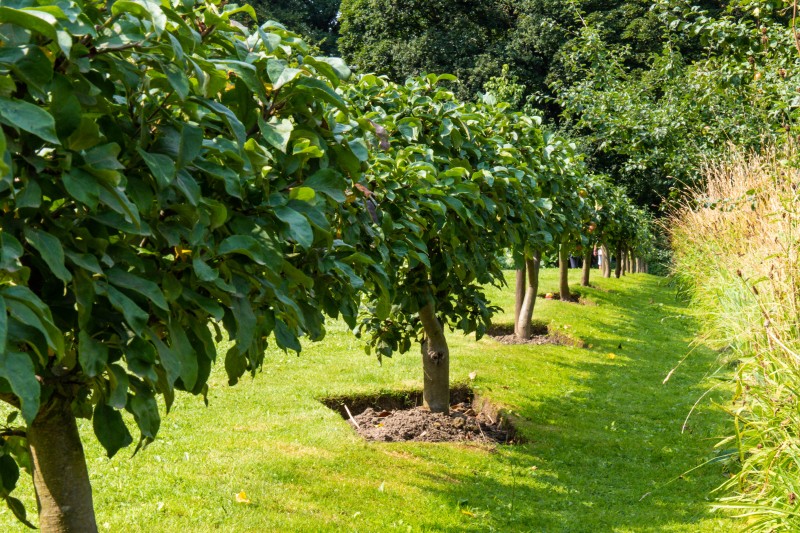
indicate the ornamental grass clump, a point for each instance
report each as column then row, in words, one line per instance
column 736, row 246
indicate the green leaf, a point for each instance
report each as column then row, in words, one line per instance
column 145, row 412
column 92, row 355
column 302, row 194
column 18, row 509
column 51, row 251
column 286, row 338
column 298, row 227
column 409, row 128
column 162, row 167
column 18, row 369
column 177, row 79
column 235, row 125
column 203, row 271
column 110, row 429
column 9, row 474
column 134, row 315
column 30, row 196
column 339, row 66
column 30, row 19
column 143, row 9
column 28, row 117
column 359, row 148
column 277, row 134
column 245, row 245
column 85, row 261
column 146, row 288
column 328, row 181
column 217, row 211
column 186, row 354
column 190, row 146
column 10, row 252
column 245, row 324
column 235, row 365
column 25, row 306
column 323, row 91
column 141, row 358
column 82, row 186
column 103, row 157
column 86, row 136
column 119, row 382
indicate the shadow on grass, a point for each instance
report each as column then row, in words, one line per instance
column 608, row 453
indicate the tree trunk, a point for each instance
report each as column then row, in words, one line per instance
column 624, row 261
column 587, row 266
column 435, row 362
column 618, row 267
column 522, row 326
column 606, row 266
column 563, row 270
column 519, row 293
column 60, row 477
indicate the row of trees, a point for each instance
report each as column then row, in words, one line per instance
column 169, row 177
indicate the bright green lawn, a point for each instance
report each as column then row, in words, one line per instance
column 604, row 437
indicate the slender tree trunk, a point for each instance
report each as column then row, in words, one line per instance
column 519, row 293
column 435, row 362
column 618, row 268
column 522, row 327
column 606, row 266
column 563, row 270
column 587, row 266
column 624, row 261
column 60, row 477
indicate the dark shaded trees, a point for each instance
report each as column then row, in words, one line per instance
column 316, row 20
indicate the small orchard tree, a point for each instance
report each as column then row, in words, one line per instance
column 166, row 175
column 557, row 172
column 449, row 192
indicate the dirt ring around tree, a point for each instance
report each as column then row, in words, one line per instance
column 541, row 333
column 399, row 417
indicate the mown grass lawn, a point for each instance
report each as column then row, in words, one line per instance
column 604, row 450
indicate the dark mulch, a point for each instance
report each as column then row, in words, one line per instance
column 540, row 334
column 463, row 424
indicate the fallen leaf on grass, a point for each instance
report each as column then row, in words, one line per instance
column 612, row 356
column 242, row 498
column 468, row 513
column 473, row 375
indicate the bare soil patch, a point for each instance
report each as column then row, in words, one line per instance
column 574, row 298
column 541, row 333
column 398, row 417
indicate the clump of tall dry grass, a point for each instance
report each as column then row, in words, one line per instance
column 736, row 244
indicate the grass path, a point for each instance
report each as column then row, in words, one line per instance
column 605, row 450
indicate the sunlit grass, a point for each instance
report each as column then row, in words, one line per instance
column 604, row 450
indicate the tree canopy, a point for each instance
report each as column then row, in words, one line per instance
column 171, row 177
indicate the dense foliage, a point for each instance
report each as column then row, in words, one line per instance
column 170, row 177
